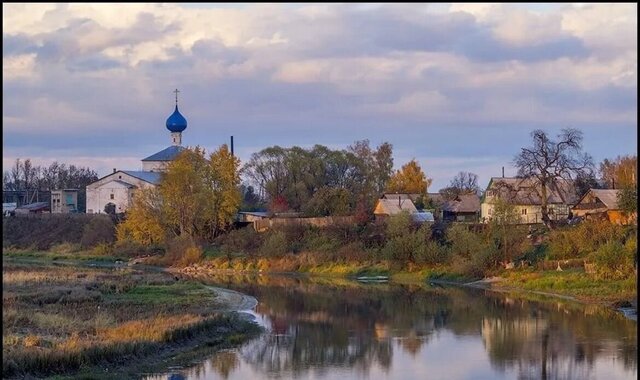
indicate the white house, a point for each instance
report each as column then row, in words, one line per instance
column 119, row 187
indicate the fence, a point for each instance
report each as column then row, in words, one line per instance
column 265, row 224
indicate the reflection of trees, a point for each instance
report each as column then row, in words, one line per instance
column 323, row 325
column 224, row 363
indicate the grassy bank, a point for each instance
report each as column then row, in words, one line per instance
column 69, row 320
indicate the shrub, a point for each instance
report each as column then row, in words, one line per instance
column 65, row 248
column 244, row 240
column 100, row 229
column 614, row 261
column 102, row 249
column 275, row 244
column 463, row 242
column 399, row 225
column 192, row 255
column 180, row 251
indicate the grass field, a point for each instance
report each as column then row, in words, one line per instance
column 73, row 320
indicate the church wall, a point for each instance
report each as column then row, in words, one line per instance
column 99, row 192
column 154, row 166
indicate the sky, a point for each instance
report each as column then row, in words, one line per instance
column 457, row 87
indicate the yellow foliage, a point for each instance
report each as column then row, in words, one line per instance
column 410, row 179
column 144, row 220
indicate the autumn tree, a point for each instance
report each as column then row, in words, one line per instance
column 144, row 223
column 409, row 179
column 620, row 172
column 196, row 198
column 222, row 187
column 549, row 162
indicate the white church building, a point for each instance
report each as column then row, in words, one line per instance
column 119, row 187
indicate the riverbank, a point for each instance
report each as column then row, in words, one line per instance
column 573, row 283
column 65, row 320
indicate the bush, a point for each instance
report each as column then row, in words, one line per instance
column 275, row 244
column 181, row 251
column 244, row 241
column 399, row 225
column 192, row 255
column 102, row 249
column 65, row 248
column 100, row 229
column 614, row 260
column 463, row 242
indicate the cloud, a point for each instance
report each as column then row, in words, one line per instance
column 461, row 78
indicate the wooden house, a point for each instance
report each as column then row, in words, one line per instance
column 602, row 204
column 525, row 195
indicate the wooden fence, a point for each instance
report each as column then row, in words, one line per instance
column 266, row 224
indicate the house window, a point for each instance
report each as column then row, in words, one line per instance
column 111, row 196
column 490, row 211
column 524, row 211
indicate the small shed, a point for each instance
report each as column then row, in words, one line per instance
column 64, row 201
column 33, row 208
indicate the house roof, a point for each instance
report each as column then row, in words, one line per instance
column 34, row 206
column 395, row 196
column 391, row 206
column 525, row 191
column 462, row 203
column 422, row 216
column 167, row 154
column 151, row 177
column 609, row 197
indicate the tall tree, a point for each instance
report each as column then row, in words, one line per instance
column 222, row 184
column 462, row 183
column 550, row 161
column 620, row 172
column 410, row 179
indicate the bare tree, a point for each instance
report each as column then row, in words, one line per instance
column 549, row 162
column 462, row 183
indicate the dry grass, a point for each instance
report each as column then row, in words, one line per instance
column 60, row 319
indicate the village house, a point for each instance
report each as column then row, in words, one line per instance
column 387, row 207
column 524, row 194
column 602, row 204
column 462, row 208
column 118, row 188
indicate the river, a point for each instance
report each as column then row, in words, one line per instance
column 320, row 328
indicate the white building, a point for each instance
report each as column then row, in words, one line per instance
column 119, row 187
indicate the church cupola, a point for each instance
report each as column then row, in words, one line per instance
column 176, row 123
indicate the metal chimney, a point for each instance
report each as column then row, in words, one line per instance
column 114, row 170
column 503, row 172
column 232, row 145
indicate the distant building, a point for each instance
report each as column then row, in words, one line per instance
column 602, row 204
column 33, row 208
column 64, row 201
column 386, row 207
column 8, row 208
column 525, row 195
column 119, row 187
column 462, row 208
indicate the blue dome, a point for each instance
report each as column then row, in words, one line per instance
column 176, row 122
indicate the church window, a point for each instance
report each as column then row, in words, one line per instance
column 112, row 197
column 119, row 177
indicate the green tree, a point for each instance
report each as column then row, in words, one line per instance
column 628, row 199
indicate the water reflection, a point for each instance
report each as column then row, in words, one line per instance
column 327, row 329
